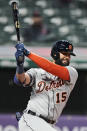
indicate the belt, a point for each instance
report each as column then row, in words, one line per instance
column 44, row 118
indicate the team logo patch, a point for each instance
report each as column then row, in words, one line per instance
column 70, row 47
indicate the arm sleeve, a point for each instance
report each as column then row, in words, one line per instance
column 57, row 70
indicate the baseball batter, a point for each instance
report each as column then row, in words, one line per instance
column 51, row 85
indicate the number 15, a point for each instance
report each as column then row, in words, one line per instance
column 63, row 97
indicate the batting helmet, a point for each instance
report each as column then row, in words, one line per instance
column 61, row 46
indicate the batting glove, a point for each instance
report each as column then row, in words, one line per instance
column 20, row 47
column 26, row 52
column 20, row 54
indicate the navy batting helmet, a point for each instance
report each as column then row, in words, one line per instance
column 61, row 46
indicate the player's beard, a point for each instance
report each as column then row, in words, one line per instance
column 60, row 62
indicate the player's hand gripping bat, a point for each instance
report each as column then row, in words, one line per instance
column 14, row 4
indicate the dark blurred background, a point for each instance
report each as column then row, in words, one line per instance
column 60, row 19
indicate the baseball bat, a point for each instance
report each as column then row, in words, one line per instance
column 14, row 4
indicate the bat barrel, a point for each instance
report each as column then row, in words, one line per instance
column 14, row 4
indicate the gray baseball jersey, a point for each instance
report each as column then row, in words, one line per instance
column 49, row 93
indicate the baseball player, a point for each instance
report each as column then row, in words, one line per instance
column 51, row 85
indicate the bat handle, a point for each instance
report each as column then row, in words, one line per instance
column 18, row 42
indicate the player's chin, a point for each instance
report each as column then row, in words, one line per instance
column 65, row 63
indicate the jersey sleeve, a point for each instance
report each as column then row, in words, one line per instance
column 32, row 74
column 73, row 75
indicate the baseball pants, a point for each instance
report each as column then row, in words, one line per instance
column 30, row 122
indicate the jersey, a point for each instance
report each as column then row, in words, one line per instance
column 49, row 93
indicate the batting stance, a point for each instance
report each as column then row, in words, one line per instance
column 51, row 85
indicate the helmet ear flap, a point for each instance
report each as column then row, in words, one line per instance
column 55, row 55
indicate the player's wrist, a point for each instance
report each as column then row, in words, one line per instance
column 20, row 69
column 26, row 52
column 16, row 81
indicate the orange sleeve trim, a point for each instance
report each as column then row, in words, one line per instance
column 57, row 70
